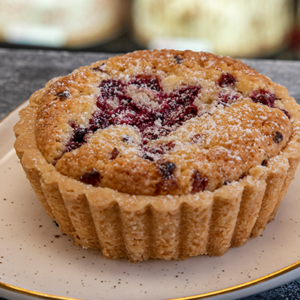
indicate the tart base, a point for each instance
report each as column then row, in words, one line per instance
column 139, row 227
column 160, row 227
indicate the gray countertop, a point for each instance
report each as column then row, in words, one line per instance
column 23, row 72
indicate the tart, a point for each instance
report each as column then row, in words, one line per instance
column 160, row 154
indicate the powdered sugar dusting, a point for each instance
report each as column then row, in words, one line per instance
column 149, row 130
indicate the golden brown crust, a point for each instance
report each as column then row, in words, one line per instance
column 220, row 145
column 168, row 226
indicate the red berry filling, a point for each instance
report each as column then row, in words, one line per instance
column 166, row 169
column 99, row 68
column 197, row 138
column 285, row 112
column 149, row 152
column 78, row 138
column 199, row 182
column 277, row 137
column 264, row 162
column 226, row 80
column 127, row 139
column 175, row 108
column 147, row 81
column 224, row 98
column 92, row 178
column 267, row 98
column 264, row 97
column 63, row 95
column 178, row 59
column 114, row 153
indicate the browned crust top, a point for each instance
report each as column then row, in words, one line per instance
column 221, row 144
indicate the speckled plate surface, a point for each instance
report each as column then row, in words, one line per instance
column 37, row 261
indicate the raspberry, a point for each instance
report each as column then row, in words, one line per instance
column 226, row 80
column 264, row 97
column 224, row 98
column 176, row 108
column 114, row 153
column 277, row 137
column 147, row 81
column 199, row 182
column 78, row 138
column 285, row 112
column 166, row 169
column 178, row 59
column 63, row 95
column 92, row 178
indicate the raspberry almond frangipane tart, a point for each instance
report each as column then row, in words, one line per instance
column 160, row 154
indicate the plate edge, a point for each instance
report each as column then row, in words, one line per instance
column 200, row 296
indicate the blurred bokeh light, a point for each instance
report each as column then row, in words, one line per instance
column 61, row 23
column 239, row 28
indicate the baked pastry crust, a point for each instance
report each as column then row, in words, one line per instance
column 177, row 221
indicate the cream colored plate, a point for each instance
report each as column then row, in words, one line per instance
column 36, row 260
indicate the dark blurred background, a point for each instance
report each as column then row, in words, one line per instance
column 238, row 28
